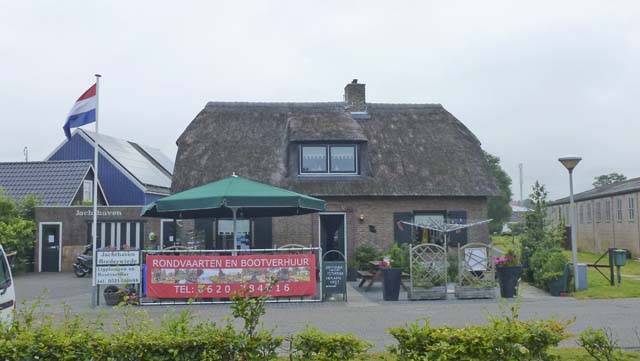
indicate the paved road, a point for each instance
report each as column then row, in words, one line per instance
column 366, row 315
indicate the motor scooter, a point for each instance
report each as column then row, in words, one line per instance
column 84, row 262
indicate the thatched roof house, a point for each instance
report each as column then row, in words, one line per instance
column 342, row 151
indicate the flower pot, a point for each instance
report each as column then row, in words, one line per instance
column 112, row 295
column 508, row 278
column 391, row 283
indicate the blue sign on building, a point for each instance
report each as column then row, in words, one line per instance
column 130, row 173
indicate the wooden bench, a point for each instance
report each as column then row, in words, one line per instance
column 365, row 275
column 368, row 276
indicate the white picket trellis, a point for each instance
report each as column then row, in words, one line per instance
column 428, row 270
column 476, row 272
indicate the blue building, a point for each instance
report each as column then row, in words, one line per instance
column 129, row 173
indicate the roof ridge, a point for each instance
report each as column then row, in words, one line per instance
column 50, row 161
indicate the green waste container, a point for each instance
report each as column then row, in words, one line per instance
column 556, row 287
column 619, row 257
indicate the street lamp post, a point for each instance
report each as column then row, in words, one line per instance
column 570, row 162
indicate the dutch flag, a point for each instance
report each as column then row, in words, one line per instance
column 83, row 111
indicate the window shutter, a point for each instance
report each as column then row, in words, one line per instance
column 402, row 232
column 457, row 238
column 262, row 238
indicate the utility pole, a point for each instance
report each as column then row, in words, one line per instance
column 521, row 181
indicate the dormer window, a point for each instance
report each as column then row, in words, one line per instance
column 320, row 159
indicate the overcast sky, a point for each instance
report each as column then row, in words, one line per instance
column 533, row 81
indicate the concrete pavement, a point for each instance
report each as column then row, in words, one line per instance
column 366, row 315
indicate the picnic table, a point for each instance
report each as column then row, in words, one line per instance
column 374, row 274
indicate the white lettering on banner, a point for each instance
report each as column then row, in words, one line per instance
column 106, row 258
column 230, row 263
column 89, row 213
column 274, row 263
column 109, row 275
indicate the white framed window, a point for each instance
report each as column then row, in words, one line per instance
column 619, row 210
column 581, row 214
column 598, row 213
column 589, row 217
column 607, row 211
column 334, row 159
column 632, row 209
column 87, row 191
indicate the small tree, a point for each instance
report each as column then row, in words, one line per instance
column 499, row 208
column 534, row 227
column 18, row 227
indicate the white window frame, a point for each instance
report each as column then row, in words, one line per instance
column 619, row 210
column 632, row 209
column 87, row 185
column 607, row 211
column 598, row 212
column 582, row 214
column 589, row 214
column 328, row 160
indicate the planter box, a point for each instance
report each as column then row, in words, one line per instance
column 508, row 279
column 391, row 283
column 433, row 293
column 468, row 292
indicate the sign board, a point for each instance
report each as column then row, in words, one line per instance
column 334, row 278
column 220, row 276
column 115, row 258
column 109, row 275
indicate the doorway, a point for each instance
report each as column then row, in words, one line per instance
column 333, row 234
column 50, row 247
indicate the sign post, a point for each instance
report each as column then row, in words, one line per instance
column 117, row 267
column 334, row 277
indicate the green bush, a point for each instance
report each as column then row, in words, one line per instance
column 600, row 344
column 547, row 265
column 364, row 253
column 312, row 344
column 506, row 338
column 34, row 335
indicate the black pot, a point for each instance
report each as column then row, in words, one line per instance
column 391, row 283
column 508, row 278
column 112, row 295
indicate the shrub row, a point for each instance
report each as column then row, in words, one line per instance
column 35, row 336
column 505, row 338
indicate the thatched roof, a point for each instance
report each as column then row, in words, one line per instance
column 412, row 149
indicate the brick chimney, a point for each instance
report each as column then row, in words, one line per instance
column 354, row 96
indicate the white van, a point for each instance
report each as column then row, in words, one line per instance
column 7, row 292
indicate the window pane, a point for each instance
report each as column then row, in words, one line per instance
column 314, row 159
column 343, row 159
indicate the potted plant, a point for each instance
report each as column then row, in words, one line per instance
column 391, row 274
column 509, row 271
column 113, row 295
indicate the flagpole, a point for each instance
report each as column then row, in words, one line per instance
column 94, row 292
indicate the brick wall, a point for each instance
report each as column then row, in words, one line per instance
column 377, row 211
column 74, row 227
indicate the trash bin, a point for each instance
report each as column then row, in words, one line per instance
column 619, row 257
column 582, row 276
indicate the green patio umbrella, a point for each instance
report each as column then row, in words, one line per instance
column 223, row 199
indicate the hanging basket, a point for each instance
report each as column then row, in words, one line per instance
column 113, row 295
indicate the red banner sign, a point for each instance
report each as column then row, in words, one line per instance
column 220, row 276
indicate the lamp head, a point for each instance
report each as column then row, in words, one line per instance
column 570, row 162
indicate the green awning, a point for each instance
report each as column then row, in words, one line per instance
column 217, row 199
